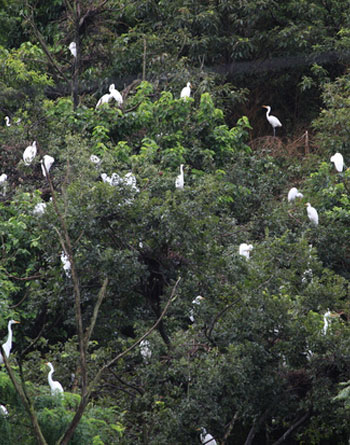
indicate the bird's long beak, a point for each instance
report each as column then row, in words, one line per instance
column 47, row 363
column 264, row 106
column 17, row 322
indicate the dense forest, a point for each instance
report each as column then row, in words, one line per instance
column 177, row 258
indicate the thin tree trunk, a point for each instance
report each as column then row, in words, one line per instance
column 292, row 428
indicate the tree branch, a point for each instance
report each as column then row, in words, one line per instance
column 292, row 428
column 100, row 298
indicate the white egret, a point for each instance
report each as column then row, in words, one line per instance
column 294, row 193
column 206, row 438
column 130, row 180
column 29, row 153
column 66, row 264
column 95, row 159
column 116, row 94
column 145, row 350
column 196, row 301
column 186, row 91
column 104, row 100
column 7, row 119
column 180, row 181
column 326, row 316
column 312, row 214
column 39, row 208
column 56, row 387
column 3, row 411
column 7, row 346
column 46, row 161
column 245, row 249
column 338, row 161
column 273, row 120
column 3, row 183
column 73, row 48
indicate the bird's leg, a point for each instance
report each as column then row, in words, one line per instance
column 274, row 131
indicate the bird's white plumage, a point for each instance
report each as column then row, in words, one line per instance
column 46, row 161
column 245, row 249
column 8, row 124
column 186, row 91
column 273, row 120
column 116, row 94
column 196, row 301
column 180, row 180
column 294, row 193
column 312, row 214
column 73, row 48
column 326, row 316
column 95, row 159
column 338, row 161
column 104, row 99
column 66, row 264
column 3, row 178
column 55, row 386
column 145, row 350
column 206, row 438
column 7, row 346
column 3, row 411
column 29, row 153
column 39, row 208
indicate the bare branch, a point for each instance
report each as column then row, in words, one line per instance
column 292, row 428
column 100, row 298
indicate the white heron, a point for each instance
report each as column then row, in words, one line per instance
column 116, row 94
column 3, row 411
column 312, row 214
column 46, row 161
column 73, row 49
column 3, row 178
column 338, row 161
column 186, row 91
column 95, row 159
column 29, row 153
column 56, row 387
column 7, row 119
column 293, row 194
column 130, row 180
column 145, row 350
column 273, row 120
column 245, row 249
column 7, row 346
column 206, row 438
column 66, row 264
column 180, row 180
column 39, row 208
column 196, row 301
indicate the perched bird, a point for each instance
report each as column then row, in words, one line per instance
column 56, row 387
column 273, row 120
column 116, row 94
column 338, row 161
column 113, row 93
column 46, row 162
column 186, row 91
column 206, row 438
column 95, row 159
column 3, row 183
column 326, row 316
column 245, row 249
column 294, row 193
column 66, row 264
column 29, row 153
column 8, row 124
column 8, row 344
column 180, row 181
column 73, row 48
column 312, row 214
column 196, row 301
column 145, row 350
column 3, row 411
column 130, row 180
column 39, row 208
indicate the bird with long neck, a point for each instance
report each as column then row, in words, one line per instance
column 7, row 346
column 56, row 387
column 272, row 120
